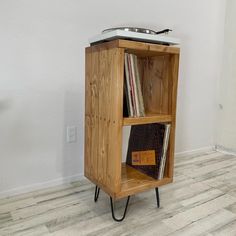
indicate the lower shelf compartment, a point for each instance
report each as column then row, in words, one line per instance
column 133, row 182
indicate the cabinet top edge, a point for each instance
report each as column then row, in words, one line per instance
column 134, row 45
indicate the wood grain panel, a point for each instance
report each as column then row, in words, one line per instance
column 115, row 112
column 88, row 92
column 155, row 84
column 102, row 107
column 151, row 47
column 143, row 48
column 104, row 116
column 104, row 111
column 134, row 182
column 165, row 49
column 133, row 45
column 148, row 119
column 173, row 78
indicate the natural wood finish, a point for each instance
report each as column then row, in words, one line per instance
column 148, row 47
column 164, row 49
column 105, row 46
column 134, row 46
column 145, row 54
column 148, row 119
column 155, row 82
column 104, row 119
column 103, row 122
column 173, row 78
column 133, row 181
column 87, row 135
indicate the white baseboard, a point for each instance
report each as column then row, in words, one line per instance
column 38, row 186
column 66, row 180
column 225, row 150
column 198, row 151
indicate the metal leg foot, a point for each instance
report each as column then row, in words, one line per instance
column 112, row 210
column 96, row 194
column 158, row 197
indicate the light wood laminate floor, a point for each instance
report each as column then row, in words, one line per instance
column 201, row 201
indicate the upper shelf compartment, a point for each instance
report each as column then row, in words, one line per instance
column 156, row 86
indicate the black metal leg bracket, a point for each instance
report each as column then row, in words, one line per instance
column 112, row 210
column 96, row 194
column 157, row 197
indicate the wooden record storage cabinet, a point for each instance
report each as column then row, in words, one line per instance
column 104, row 120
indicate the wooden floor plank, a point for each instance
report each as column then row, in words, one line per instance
column 200, row 201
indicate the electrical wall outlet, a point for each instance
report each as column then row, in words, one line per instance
column 71, row 134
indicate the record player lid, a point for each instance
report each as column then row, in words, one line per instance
column 138, row 30
column 135, row 34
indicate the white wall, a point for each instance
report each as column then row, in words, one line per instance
column 42, row 78
column 226, row 137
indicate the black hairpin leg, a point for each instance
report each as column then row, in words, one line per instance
column 112, row 210
column 96, row 194
column 158, row 197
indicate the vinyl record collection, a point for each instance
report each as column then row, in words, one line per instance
column 148, row 144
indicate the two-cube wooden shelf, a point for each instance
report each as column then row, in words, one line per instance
column 104, row 119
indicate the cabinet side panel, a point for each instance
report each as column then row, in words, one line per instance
column 88, row 95
column 114, row 110
column 103, row 153
column 173, row 78
column 91, row 113
column 104, row 88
